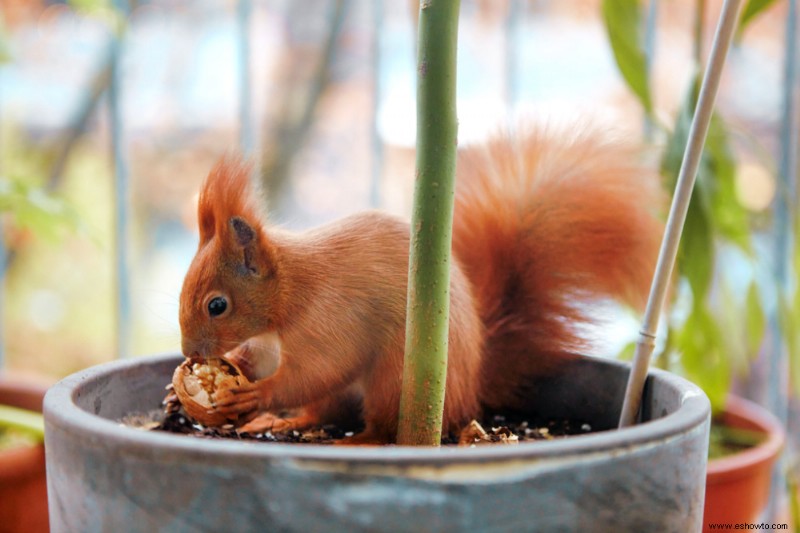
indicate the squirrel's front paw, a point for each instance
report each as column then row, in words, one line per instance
column 242, row 399
column 258, row 357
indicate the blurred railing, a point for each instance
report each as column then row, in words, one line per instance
column 785, row 204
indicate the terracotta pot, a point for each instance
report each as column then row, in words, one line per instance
column 738, row 486
column 23, row 482
column 104, row 476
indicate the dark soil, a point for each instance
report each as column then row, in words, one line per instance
column 725, row 440
column 494, row 429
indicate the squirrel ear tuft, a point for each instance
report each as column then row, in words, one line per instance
column 227, row 192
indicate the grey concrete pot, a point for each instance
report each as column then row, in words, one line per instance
column 105, row 477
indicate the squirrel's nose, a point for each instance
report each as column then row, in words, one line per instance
column 194, row 348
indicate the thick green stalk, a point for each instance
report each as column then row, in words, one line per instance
column 425, row 367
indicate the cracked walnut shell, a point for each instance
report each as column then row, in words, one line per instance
column 195, row 384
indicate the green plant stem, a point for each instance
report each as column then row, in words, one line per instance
column 793, row 485
column 29, row 422
column 425, row 365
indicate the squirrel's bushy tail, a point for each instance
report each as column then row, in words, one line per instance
column 546, row 221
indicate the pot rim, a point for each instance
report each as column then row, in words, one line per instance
column 21, row 462
column 62, row 412
column 27, row 391
column 741, row 463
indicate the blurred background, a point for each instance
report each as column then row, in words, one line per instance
column 329, row 116
column 111, row 114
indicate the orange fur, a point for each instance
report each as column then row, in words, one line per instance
column 541, row 220
column 546, row 222
column 225, row 192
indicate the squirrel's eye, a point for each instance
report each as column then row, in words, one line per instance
column 217, row 306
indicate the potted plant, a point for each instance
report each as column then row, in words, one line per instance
column 23, row 486
column 718, row 325
column 738, row 481
column 102, row 475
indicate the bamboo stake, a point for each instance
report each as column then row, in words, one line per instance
column 428, row 309
column 677, row 216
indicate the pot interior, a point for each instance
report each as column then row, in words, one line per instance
column 585, row 390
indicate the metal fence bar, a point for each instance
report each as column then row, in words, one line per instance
column 375, row 137
column 3, row 259
column 785, row 201
column 121, row 187
column 246, row 122
column 650, row 26
column 513, row 24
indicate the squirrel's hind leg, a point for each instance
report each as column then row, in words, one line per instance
column 278, row 424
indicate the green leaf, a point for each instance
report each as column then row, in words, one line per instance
column 715, row 188
column 717, row 175
column 729, row 312
column 623, row 21
column 626, row 354
column 91, row 5
column 32, row 208
column 788, row 319
column 755, row 320
column 750, row 12
column 663, row 358
column 700, row 342
column 676, row 143
column 696, row 252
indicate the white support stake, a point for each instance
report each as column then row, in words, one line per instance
column 677, row 215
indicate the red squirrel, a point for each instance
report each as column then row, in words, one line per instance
column 543, row 219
